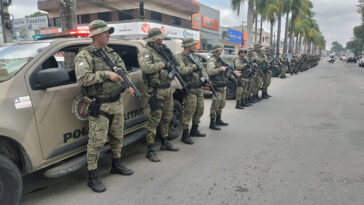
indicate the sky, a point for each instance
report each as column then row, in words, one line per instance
column 336, row 18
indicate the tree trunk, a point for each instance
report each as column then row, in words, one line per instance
column 309, row 48
column 67, row 10
column 305, row 46
column 300, row 44
column 286, row 34
column 278, row 34
column 291, row 39
column 271, row 35
column 250, row 23
column 296, row 46
column 256, row 25
column 261, row 30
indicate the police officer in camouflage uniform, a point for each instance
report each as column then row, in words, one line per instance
column 267, row 73
column 98, row 82
column 155, row 76
column 250, row 86
column 258, row 81
column 216, row 72
column 284, row 65
column 294, row 64
column 240, row 64
column 193, row 103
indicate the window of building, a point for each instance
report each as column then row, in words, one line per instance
column 57, row 22
column 105, row 16
column 126, row 15
column 176, row 20
column 156, row 16
column 85, row 18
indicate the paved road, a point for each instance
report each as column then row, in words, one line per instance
column 303, row 146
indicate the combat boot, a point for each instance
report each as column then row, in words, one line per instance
column 220, row 122
column 264, row 95
column 195, row 132
column 94, row 182
column 213, row 125
column 238, row 105
column 257, row 98
column 252, row 100
column 118, row 168
column 186, row 138
column 165, row 145
column 151, row 155
column 247, row 103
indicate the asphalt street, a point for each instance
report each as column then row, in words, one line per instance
column 305, row 145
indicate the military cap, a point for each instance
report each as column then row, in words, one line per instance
column 216, row 47
column 258, row 45
column 99, row 26
column 155, row 34
column 251, row 49
column 188, row 42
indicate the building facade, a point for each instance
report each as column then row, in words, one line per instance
column 131, row 19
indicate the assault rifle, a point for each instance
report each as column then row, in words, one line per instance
column 120, row 71
column 204, row 81
column 172, row 66
column 229, row 71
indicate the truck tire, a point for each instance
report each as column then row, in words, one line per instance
column 175, row 127
column 231, row 90
column 11, row 182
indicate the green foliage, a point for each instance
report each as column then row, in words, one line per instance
column 336, row 47
column 355, row 46
column 36, row 14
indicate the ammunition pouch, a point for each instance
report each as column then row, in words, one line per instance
column 155, row 103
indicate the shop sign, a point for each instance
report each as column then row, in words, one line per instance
column 234, row 36
column 210, row 23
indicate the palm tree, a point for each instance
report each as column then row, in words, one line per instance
column 269, row 14
column 262, row 9
column 235, row 5
column 279, row 13
column 299, row 9
column 287, row 10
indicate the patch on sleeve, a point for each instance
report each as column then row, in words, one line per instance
column 81, row 64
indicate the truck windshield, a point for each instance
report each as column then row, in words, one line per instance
column 14, row 57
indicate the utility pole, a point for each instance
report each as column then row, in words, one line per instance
column 6, row 21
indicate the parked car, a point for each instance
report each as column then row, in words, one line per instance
column 38, row 89
column 351, row 60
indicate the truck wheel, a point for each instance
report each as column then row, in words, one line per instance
column 11, row 182
column 231, row 90
column 175, row 127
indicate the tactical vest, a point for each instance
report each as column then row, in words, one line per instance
column 194, row 78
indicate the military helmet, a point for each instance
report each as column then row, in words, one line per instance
column 242, row 50
column 216, row 47
column 99, row 26
column 258, row 45
column 187, row 42
column 155, row 34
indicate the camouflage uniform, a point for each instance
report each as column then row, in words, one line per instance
column 156, row 78
column 106, row 120
column 240, row 64
column 250, row 87
column 219, row 81
column 193, row 103
column 91, row 73
column 258, row 81
column 294, row 64
column 284, row 67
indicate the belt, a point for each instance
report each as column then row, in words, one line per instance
column 100, row 100
column 219, row 85
column 194, row 86
column 166, row 85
